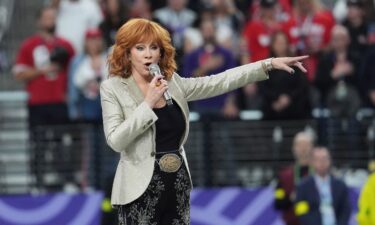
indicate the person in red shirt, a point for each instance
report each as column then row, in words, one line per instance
column 310, row 28
column 257, row 32
column 269, row 18
column 41, row 63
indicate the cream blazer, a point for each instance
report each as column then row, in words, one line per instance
column 129, row 123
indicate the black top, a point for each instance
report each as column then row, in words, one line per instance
column 295, row 86
column 170, row 127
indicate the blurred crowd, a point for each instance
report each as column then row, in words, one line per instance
column 64, row 62
column 68, row 54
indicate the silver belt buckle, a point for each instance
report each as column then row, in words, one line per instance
column 170, row 163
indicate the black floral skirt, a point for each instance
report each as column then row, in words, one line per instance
column 166, row 201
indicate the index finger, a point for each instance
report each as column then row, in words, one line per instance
column 299, row 58
column 156, row 79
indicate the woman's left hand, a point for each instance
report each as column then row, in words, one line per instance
column 285, row 63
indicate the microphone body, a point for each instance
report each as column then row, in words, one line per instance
column 155, row 70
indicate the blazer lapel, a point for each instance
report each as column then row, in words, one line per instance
column 133, row 89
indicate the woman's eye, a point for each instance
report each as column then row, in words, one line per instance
column 139, row 48
column 154, row 47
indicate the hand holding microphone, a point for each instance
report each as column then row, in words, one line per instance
column 155, row 91
column 156, row 73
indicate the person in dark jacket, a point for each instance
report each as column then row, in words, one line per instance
column 321, row 198
column 338, row 67
column 284, row 96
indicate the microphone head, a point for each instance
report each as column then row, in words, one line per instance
column 154, row 69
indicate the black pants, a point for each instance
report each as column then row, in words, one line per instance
column 46, row 138
column 166, row 201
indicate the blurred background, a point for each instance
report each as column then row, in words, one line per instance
column 52, row 148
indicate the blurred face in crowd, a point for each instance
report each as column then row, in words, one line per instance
column 302, row 147
column 269, row 11
column 305, row 6
column 208, row 30
column 177, row 5
column 321, row 161
column 113, row 6
column 354, row 12
column 94, row 45
column 47, row 20
column 340, row 38
column 141, row 56
column 280, row 45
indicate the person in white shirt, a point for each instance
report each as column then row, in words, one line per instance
column 74, row 18
column 321, row 198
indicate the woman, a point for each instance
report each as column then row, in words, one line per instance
column 87, row 72
column 115, row 14
column 285, row 97
column 152, row 182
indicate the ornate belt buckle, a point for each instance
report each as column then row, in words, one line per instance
column 170, row 163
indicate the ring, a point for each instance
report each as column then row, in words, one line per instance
column 157, row 84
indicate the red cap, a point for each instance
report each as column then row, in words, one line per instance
column 93, row 33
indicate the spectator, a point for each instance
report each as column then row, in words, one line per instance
column 74, row 18
column 322, row 199
column 87, row 72
column 357, row 26
column 176, row 17
column 192, row 40
column 41, row 63
column 141, row 9
column 366, row 206
column 257, row 32
column 290, row 177
column 210, row 58
column 249, row 98
column 115, row 14
column 310, row 27
column 367, row 79
column 369, row 6
column 285, row 97
column 229, row 22
column 337, row 78
column 284, row 9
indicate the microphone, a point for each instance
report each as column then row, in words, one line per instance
column 155, row 70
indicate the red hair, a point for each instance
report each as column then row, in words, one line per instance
column 141, row 31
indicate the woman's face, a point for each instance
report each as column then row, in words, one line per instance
column 94, row 45
column 340, row 39
column 141, row 56
column 280, row 45
column 113, row 6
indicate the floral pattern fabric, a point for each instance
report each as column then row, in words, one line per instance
column 165, row 201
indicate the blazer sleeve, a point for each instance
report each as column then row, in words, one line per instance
column 210, row 86
column 120, row 131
